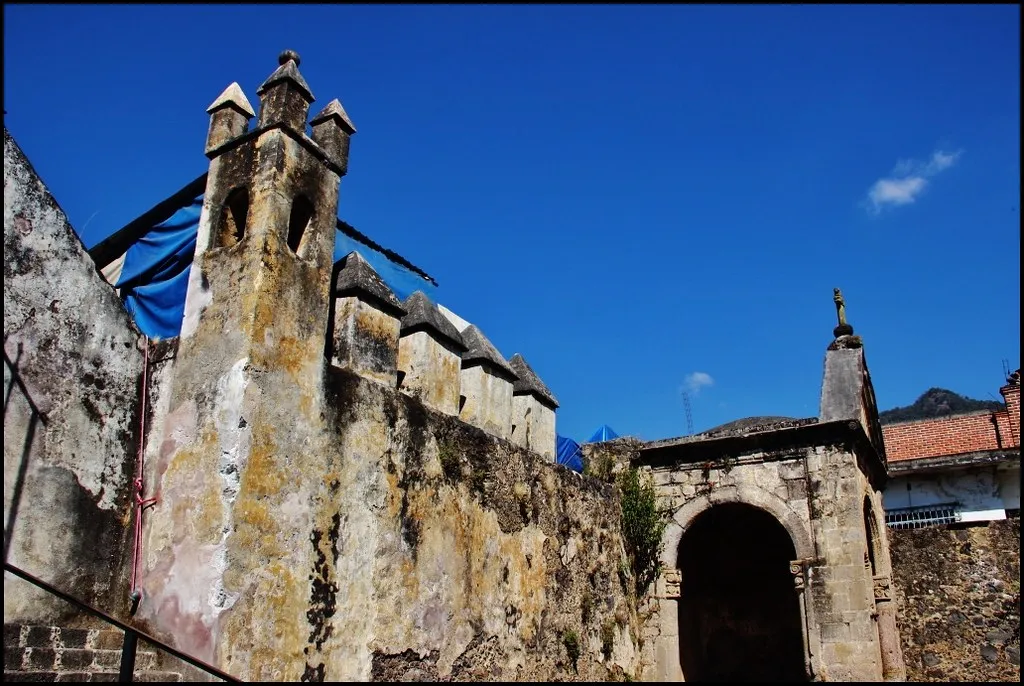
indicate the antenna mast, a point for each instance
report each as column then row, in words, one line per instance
column 689, row 413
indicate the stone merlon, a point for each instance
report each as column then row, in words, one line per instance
column 479, row 350
column 355, row 276
column 234, row 98
column 529, row 382
column 335, row 111
column 285, row 96
column 229, row 118
column 288, row 71
column 423, row 316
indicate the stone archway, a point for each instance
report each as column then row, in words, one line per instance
column 739, row 613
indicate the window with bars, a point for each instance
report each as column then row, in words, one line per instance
column 922, row 517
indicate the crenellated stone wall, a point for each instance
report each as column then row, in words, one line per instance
column 487, row 560
column 320, row 513
column 454, row 370
column 313, row 508
column 433, row 551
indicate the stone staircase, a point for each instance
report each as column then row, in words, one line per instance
column 45, row 653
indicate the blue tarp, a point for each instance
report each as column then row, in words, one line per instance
column 605, row 433
column 154, row 277
column 568, row 453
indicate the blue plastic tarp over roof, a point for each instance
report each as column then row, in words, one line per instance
column 605, row 433
column 567, row 452
column 154, row 277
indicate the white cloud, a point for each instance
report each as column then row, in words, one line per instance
column 896, row 191
column 907, row 181
column 696, row 381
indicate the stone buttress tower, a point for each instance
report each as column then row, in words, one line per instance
column 851, row 579
column 244, row 469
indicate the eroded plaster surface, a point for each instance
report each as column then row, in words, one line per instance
column 72, row 377
column 488, row 400
column 431, row 371
column 533, row 424
column 408, row 542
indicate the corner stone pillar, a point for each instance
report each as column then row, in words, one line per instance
column 893, row 667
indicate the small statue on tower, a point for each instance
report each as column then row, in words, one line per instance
column 844, row 328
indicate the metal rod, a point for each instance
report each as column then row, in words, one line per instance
column 127, row 671
column 35, row 581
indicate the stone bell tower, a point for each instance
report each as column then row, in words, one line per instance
column 851, row 580
column 266, row 237
column 243, row 468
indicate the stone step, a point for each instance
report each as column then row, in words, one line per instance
column 40, row 676
column 29, row 636
column 70, row 659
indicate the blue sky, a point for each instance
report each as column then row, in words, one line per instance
column 639, row 199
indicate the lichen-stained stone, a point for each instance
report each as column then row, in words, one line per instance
column 366, row 322
column 227, row 553
column 958, row 591
column 486, row 385
column 429, row 355
column 451, row 558
column 533, row 410
column 316, row 524
column 72, row 368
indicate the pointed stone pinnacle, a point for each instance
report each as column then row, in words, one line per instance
column 334, row 110
column 422, row 315
column 356, row 276
column 289, row 71
column 232, row 97
column 482, row 350
column 529, row 383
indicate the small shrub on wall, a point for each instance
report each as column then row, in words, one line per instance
column 642, row 526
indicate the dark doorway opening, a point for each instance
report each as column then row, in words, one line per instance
column 739, row 614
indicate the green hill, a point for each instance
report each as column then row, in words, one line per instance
column 937, row 402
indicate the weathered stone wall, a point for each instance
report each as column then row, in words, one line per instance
column 365, row 339
column 608, row 458
column 487, row 400
column 959, row 601
column 533, row 424
column 433, row 550
column 71, row 382
column 857, row 634
column 431, row 371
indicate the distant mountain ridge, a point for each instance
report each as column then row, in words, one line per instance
column 937, row 402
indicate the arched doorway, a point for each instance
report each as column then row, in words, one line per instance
column 739, row 614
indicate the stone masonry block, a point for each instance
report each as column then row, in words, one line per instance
column 13, row 657
column 40, row 637
column 835, row 631
column 74, row 638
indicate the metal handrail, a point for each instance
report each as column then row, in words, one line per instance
column 131, row 635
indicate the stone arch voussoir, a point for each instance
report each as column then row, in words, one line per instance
column 790, row 520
